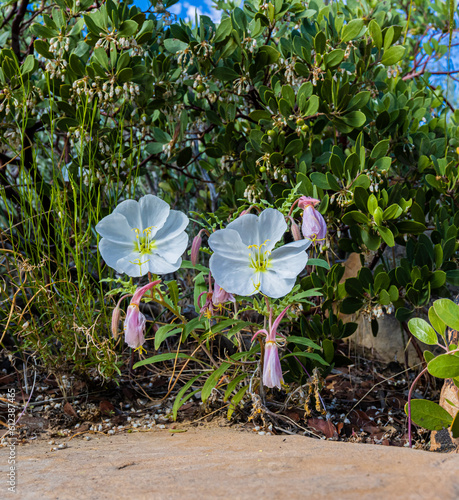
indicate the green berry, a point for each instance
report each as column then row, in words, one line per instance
column 262, row 169
column 305, row 128
column 200, row 88
column 271, row 133
column 300, row 122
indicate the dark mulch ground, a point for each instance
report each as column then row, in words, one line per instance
column 363, row 402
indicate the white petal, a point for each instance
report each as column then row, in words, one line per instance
column 247, row 227
column 289, row 260
column 154, row 212
column 115, row 227
column 227, row 243
column 171, row 249
column 274, row 285
column 272, row 227
column 112, row 252
column 158, row 265
column 174, row 225
column 233, row 276
column 266, row 229
column 134, row 265
column 130, row 209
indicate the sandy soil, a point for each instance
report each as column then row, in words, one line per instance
column 229, row 464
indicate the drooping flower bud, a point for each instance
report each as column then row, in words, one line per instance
column 115, row 321
column 195, row 246
column 134, row 324
column 314, row 227
column 272, row 371
column 296, row 233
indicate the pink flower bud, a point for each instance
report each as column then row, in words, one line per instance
column 307, row 201
column 195, row 246
column 115, row 321
column 314, row 227
column 134, row 324
column 296, row 233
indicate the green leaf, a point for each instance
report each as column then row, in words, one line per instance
column 236, row 400
column 213, row 380
column 380, row 149
column 334, row 58
column 352, row 30
column 387, row 235
column 392, row 212
column 455, row 426
column 163, row 357
column 375, row 33
column 329, row 350
column 393, row 55
column 319, row 263
column 354, row 119
column 444, row 366
column 452, row 277
column 180, row 400
column 225, row 74
column 76, row 65
column 232, row 385
column 273, row 54
column 294, row 147
column 91, row 25
column 320, row 180
column 448, row 312
column 436, row 322
column 309, row 355
column 163, row 333
column 42, row 32
column 42, row 48
column 422, row 331
column 28, row 65
column 372, row 204
column 359, row 101
column 173, row 45
column 223, row 30
column 320, row 42
column 128, row 28
column 429, row 415
column 303, row 341
column 313, row 105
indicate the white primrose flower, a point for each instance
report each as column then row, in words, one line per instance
column 143, row 236
column 244, row 261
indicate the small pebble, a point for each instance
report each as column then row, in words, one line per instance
column 262, row 433
column 111, row 432
column 62, row 446
column 88, row 438
column 161, row 426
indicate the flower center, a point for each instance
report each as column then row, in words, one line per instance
column 259, row 259
column 144, row 243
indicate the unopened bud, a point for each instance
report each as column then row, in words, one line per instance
column 115, row 321
column 296, row 233
column 195, row 246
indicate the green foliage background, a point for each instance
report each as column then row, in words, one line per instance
column 281, row 99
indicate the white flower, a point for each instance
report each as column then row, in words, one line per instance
column 143, row 236
column 244, row 261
